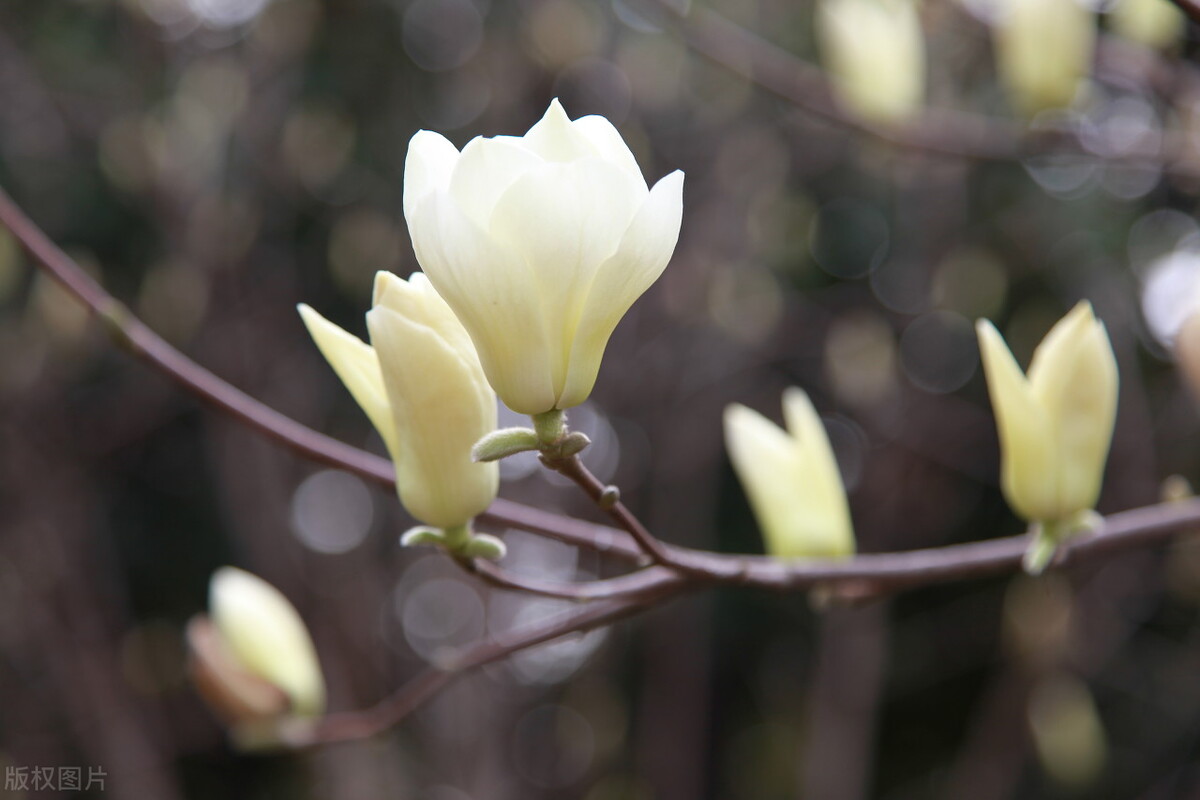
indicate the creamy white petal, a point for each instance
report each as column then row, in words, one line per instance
column 565, row 220
column 417, row 300
column 485, row 171
column 493, row 294
column 764, row 459
column 641, row 257
column 266, row 636
column 357, row 366
column 439, row 413
column 827, row 530
column 1030, row 472
column 608, row 144
column 554, row 138
column 427, row 166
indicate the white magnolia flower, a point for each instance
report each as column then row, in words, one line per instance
column 540, row 243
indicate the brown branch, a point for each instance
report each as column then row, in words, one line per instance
column 378, row 718
column 609, row 500
column 938, row 132
column 621, row 587
column 866, row 574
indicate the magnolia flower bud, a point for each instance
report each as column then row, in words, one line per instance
column 421, row 385
column 1154, row 23
column 1043, row 50
column 540, row 244
column 875, row 53
column 254, row 660
column 792, row 479
column 1056, row 424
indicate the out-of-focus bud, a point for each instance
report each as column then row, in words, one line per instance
column 792, row 480
column 875, row 53
column 1154, row 23
column 1055, row 425
column 253, row 659
column 1067, row 732
column 421, row 385
column 540, row 243
column 1043, row 50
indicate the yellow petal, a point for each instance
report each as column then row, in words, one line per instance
column 1030, row 473
column 440, row 410
column 821, row 492
column 358, row 368
column 266, row 636
column 641, row 257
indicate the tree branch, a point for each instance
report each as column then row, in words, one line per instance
column 866, row 574
column 378, row 718
column 940, row 132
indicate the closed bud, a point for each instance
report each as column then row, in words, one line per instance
column 791, row 478
column 1158, row 24
column 1043, row 50
column 1055, row 424
column 874, row 51
column 252, row 658
column 540, row 243
column 420, row 383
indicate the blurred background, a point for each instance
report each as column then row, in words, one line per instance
column 215, row 162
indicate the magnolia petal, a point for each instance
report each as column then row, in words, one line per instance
column 555, row 138
column 641, row 257
column 427, row 167
column 608, row 144
column 565, row 220
column 1029, row 460
column 828, row 529
column 417, row 300
column 1085, row 418
column 357, row 366
column 494, row 296
column 439, row 414
column 266, row 636
column 485, row 171
column 765, row 462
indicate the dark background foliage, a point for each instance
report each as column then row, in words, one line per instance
column 215, row 162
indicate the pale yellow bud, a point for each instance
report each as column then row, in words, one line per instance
column 1068, row 735
column 1043, row 50
column 1056, row 424
column 540, row 244
column 1154, row 23
column 875, row 53
column 791, row 478
column 421, row 385
column 259, row 631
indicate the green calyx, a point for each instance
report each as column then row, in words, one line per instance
column 1048, row 535
column 458, row 540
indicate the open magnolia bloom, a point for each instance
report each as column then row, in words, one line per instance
column 540, row 243
column 421, row 385
column 792, row 479
column 875, row 52
column 252, row 658
column 1056, row 424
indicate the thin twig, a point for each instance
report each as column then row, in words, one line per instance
column 939, row 132
column 622, row 587
column 361, row 724
column 608, row 499
column 864, row 575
